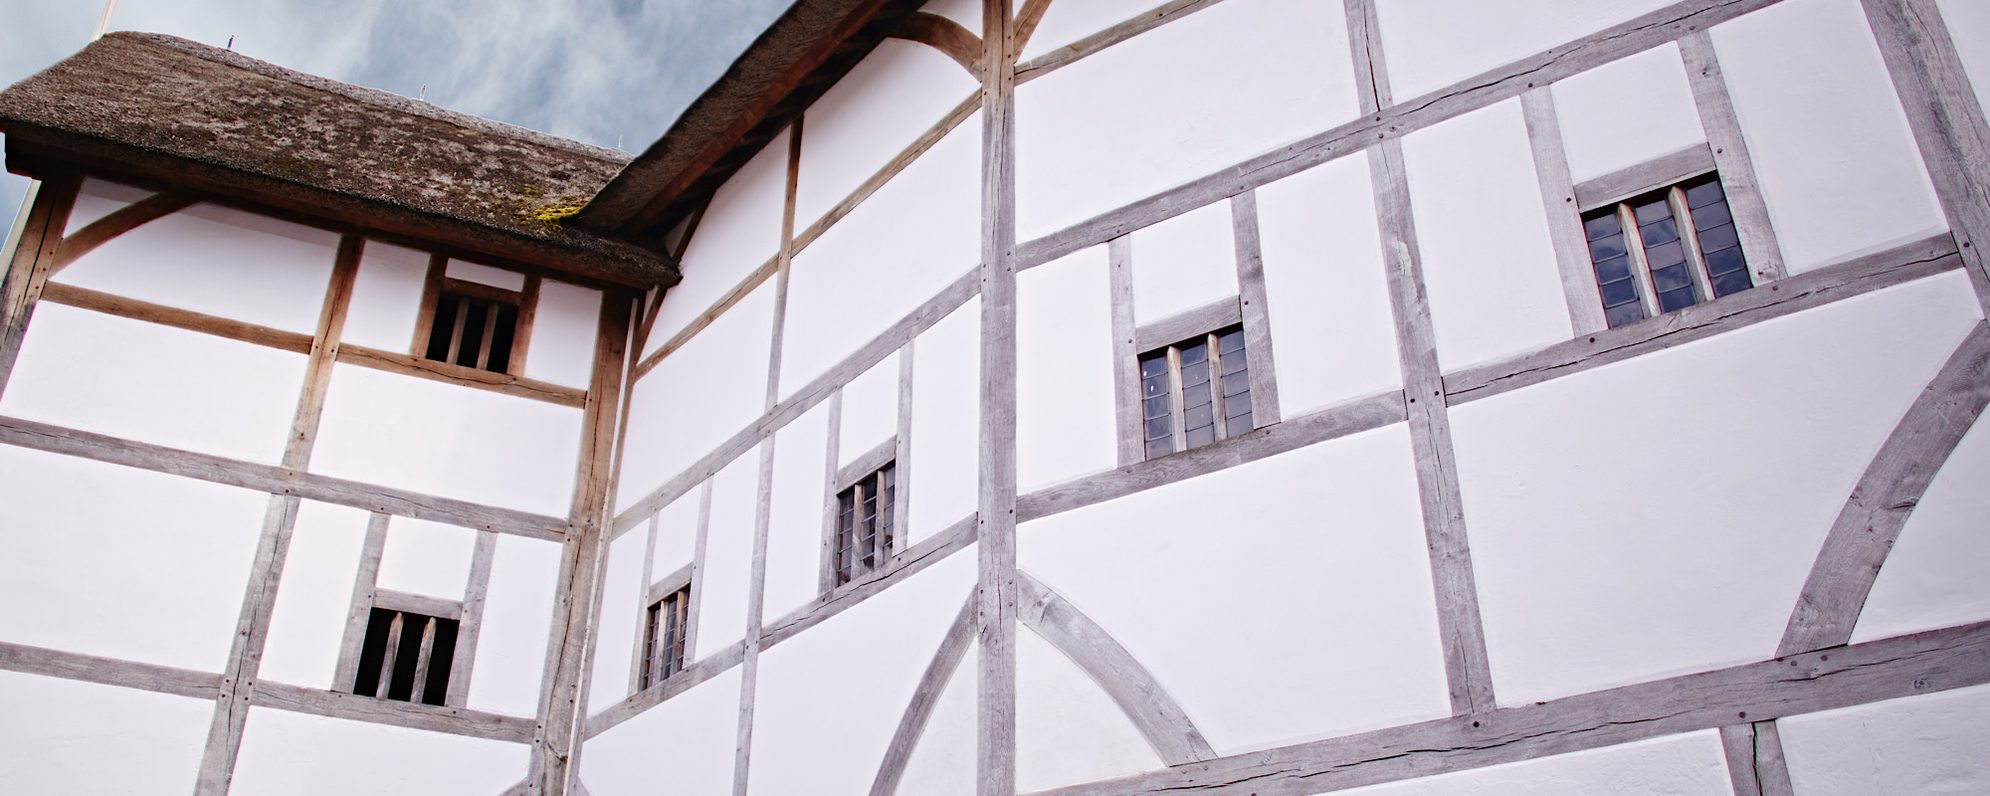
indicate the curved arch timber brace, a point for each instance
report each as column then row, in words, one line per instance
column 120, row 221
column 945, row 35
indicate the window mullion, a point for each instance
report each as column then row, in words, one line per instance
column 1634, row 244
column 1703, row 284
column 1176, row 412
column 1217, row 419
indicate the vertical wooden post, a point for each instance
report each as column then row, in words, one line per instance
column 1731, row 158
column 1551, row 167
column 995, row 615
column 33, row 254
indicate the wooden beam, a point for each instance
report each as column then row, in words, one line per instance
column 927, row 552
column 1551, row 166
column 28, row 269
column 1624, row 183
column 1129, row 415
column 1730, row 149
column 636, row 703
column 359, row 609
column 417, row 603
column 1078, row 50
column 1755, row 766
column 995, row 505
column 825, row 559
column 1254, row 304
column 425, row 368
column 925, row 698
column 1922, row 663
column 901, row 506
column 108, row 671
column 374, row 710
column 1835, row 593
column 756, row 606
column 1027, row 18
column 1188, row 324
column 97, row 301
column 120, row 221
column 476, row 594
column 1158, row 717
column 945, row 35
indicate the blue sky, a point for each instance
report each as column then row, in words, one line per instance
column 607, row 72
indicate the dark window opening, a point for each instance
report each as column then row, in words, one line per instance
column 864, row 533
column 664, row 626
column 472, row 331
column 1195, row 392
column 1665, row 250
column 405, row 657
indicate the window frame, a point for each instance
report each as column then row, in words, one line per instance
column 648, row 672
column 1206, row 324
column 438, row 285
column 869, row 466
column 401, row 605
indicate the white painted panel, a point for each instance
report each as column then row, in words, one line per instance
column 728, row 566
column 1329, row 536
column 386, row 297
column 307, row 626
column 1183, row 263
column 123, row 563
column 902, row 246
column 1487, row 261
column 946, row 423
column 888, row 100
column 564, row 328
column 797, row 506
column 479, row 273
column 110, row 375
column 427, row 558
column 698, row 397
column 684, row 745
column 1934, row 576
column 1675, row 765
column 217, row 261
column 1328, row 297
column 1067, row 729
column 1691, row 488
column 965, row 12
column 739, row 232
column 1434, row 43
column 1064, row 405
column 1139, row 117
column 1923, row 744
column 97, row 199
column 944, row 758
column 870, row 410
column 676, row 535
column 293, row 754
column 1839, row 169
column 812, row 739
column 447, row 440
column 518, row 623
column 1968, row 22
column 1065, row 23
column 616, row 627
column 1627, row 112
column 64, row 736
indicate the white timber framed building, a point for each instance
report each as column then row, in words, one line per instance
column 999, row 397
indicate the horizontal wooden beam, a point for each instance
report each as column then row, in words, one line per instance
column 109, row 671
column 1659, row 172
column 96, row 301
column 1922, row 663
column 374, row 710
column 929, row 551
column 424, row 368
column 1189, row 323
column 694, row 675
column 276, row 480
column 417, row 603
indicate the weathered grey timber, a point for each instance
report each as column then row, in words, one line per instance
column 634, row 704
column 1640, row 178
column 120, row 221
column 359, row 610
column 995, row 506
column 1835, row 593
column 418, row 603
column 27, row 271
column 1188, row 324
column 1158, row 717
column 1755, row 763
column 1254, row 304
column 945, row 35
column 1551, row 166
column 1922, row 258
column 901, row 505
column 903, row 565
column 698, row 569
column 1922, row 663
column 862, row 464
column 108, row 671
column 435, row 718
column 825, row 555
column 1071, row 53
column 756, row 605
column 638, row 607
column 925, row 697
column 1127, row 410
column 1467, row 671
column 1737, row 168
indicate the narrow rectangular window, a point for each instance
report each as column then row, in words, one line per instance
column 475, row 331
column 1665, row 250
column 1195, row 392
column 864, row 533
column 664, row 626
column 405, row 656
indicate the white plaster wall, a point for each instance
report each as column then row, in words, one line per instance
column 1627, row 112
column 676, row 536
column 447, row 440
column 870, row 410
column 698, row 397
column 1691, row 488
column 64, row 736
column 1838, row 165
column 615, row 627
column 728, row 569
column 427, row 558
column 123, row 563
column 1675, row 765
column 1183, row 263
column 902, row 246
column 808, row 738
column 1328, row 298
column 1064, row 404
column 386, row 297
column 1312, row 604
column 500, row 278
column 518, row 624
column 1934, row 578
column 1067, row 729
column 1968, row 22
column 155, row 384
column 1139, row 117
column 900, row 90
column 683, row 745
column 944, row 759
column 307, row 625
column 739, row 232
column 1923, row 744
column 564, row 328
column 1065, row 23
column 965, row 12
column 796, row 508
column 98, row 198
column 286, row 754
column 1488, row 264
column 217, row 261
column 1431, row 44
column 946, row 423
